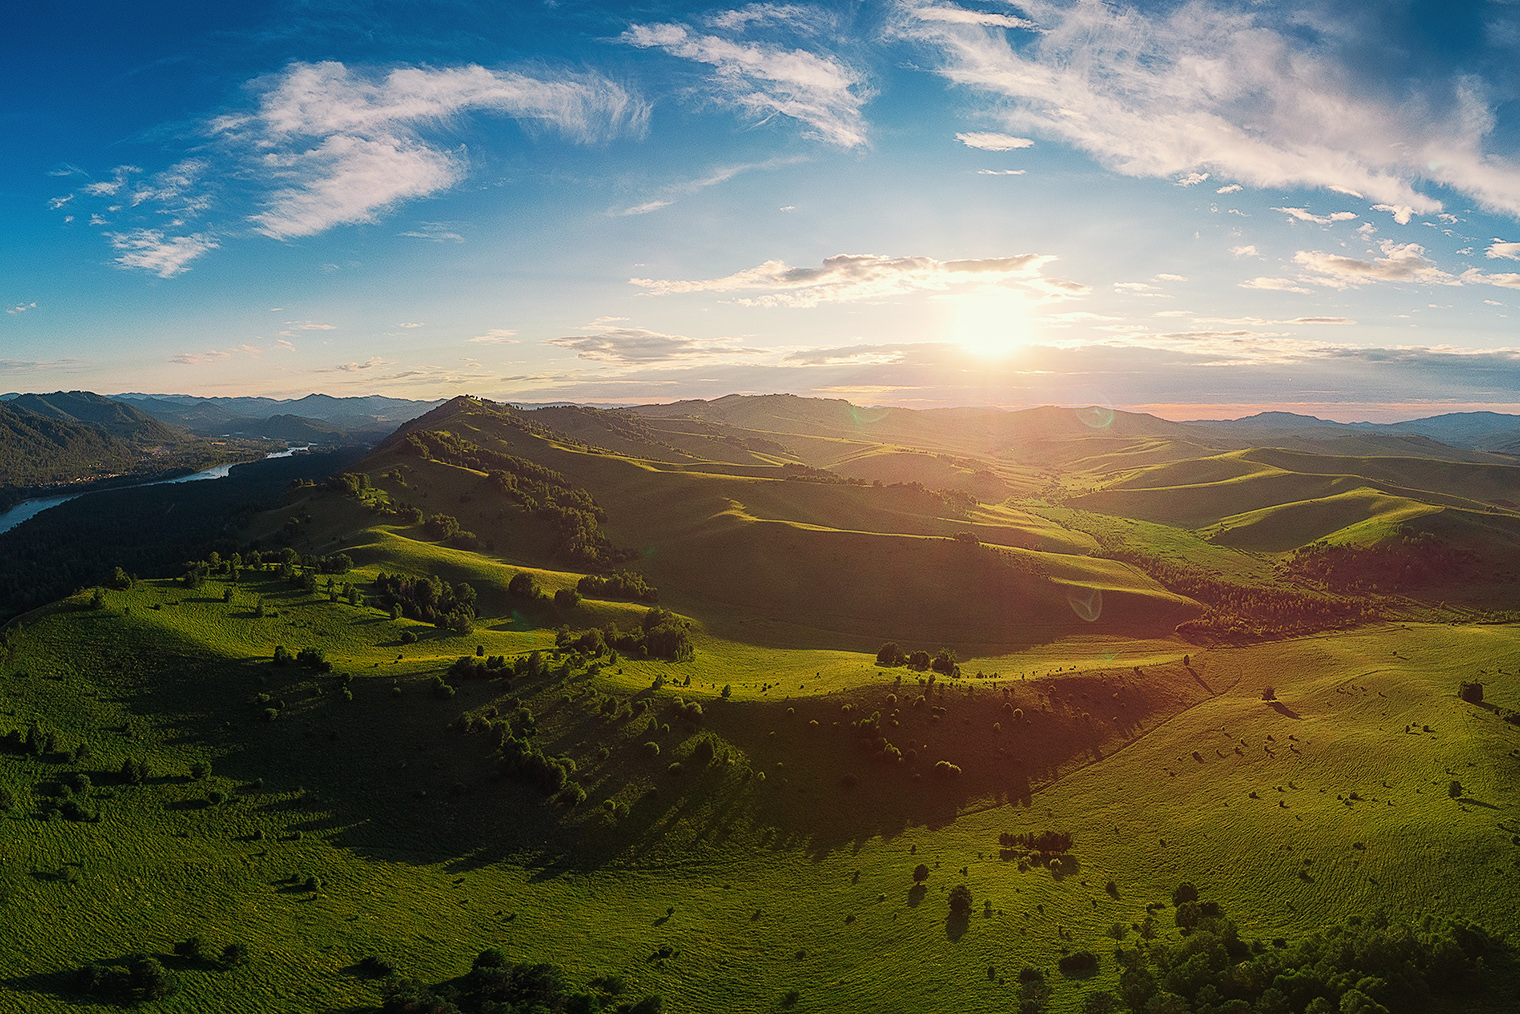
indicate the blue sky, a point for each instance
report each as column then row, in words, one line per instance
column 1198, row 209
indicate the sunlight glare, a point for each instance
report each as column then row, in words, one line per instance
column 990, row 323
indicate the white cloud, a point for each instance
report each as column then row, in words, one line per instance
column 307, row 325
column 497, row 336
column 1000, row 172
column 627, row 346
column 345, row 147
column 960, row 16
column 645, row 208
column 1275, row 285
column 1168, row 90
column 1401, row 262
column 1303, row 215
column 1504, row 281
column 57, row 202
column 369, row 364
column 766, row 81
column 1233, row 188
column 1192, row 179
column 761, row 14
column 1245, row 251
column 1164, row 277
column 199, row 358
column 165, row 256
column 990, row 141
column 1401, row 212
column 285, row 344
column 848, row 277
column 22, row 307
column 1499, row 248
column 436, row 232
column 412, row 324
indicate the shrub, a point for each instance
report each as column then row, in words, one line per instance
column 408, row 637
column 567, row 598
column 1078, row 963
column 193, row 949
column 440, row 689
column 271, row 714
column 375, row 966
column 1454, row 790
column 491, row 957
column 944, row 769
column 1472, row 693
column 920, row 873
column 651, row 749
column 890, row 654
column 704, row 751
column 200, row 771
column 147, row 978
column 7, row 800
column 1184, row 893
column 675, row 769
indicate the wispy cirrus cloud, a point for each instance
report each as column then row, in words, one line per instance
column 637, row 346
column 497, row 336
column 765, row 80
column 1198, row 88
column 345, row 146
column 713, row 178
column 953, row 15
column 850, row 277
column 156, row 251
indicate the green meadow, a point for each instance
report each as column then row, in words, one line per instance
column 740, row 831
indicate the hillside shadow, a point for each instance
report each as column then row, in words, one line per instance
column 400, row 779
column 1283, row 709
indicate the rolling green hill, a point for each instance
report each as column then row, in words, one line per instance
column 1199, row 664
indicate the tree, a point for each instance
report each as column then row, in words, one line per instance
column 567, row 598
column 1184, row 893
column 920, row 873
column 890, row 654
column 960, row 902
column 523, row 586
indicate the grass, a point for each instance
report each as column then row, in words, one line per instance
column 786, row 863
column 426, row 873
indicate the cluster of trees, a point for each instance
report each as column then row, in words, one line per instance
column 314, row 659
column 542, row 492
column 149, row 531
column 1046, row 842
column 496, row 986
column 660, row 634
column 1365, row 966
column 348, row 483
column 1235, row 612
column 447, row 529
column 1412, row 562
column 429, row 599
column 944, row 661
column 622, row 585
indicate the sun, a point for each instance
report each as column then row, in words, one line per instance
column 990, row 323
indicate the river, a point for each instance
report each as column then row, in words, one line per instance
column 28, row 509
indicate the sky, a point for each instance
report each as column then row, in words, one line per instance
column 1200, row 209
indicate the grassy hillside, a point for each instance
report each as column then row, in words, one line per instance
column 741, row 830
column 425, row 852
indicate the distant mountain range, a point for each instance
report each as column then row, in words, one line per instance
column 1488, row 431
column 317, row 418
